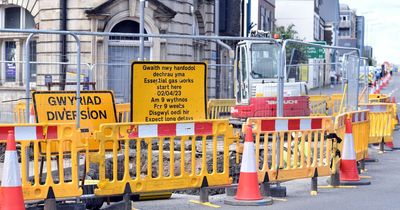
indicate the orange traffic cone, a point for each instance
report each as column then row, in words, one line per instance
column 387, row 79
column 383, row 82
column 348, row 163
column 1, row 199
column 373, row 88
column 248, row 192
column 248, row 180
column 32, row 118
column 377, row 88
column 12, row 197
column 389, row 144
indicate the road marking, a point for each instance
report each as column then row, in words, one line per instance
column 340, row 186
column 279, row 199
column 205, row 204
column 365, row 177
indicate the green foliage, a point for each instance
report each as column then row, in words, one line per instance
column 300, row 52
column 295, row 53
column 286, row 33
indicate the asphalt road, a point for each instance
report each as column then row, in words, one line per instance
column 381, row 194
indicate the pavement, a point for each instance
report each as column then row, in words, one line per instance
column 381, row 194
column 327, row 90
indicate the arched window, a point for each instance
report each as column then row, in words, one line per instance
column 127, row 26
column 122, row 50
column 15, row 17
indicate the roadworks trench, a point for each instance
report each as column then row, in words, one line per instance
column 93, row 172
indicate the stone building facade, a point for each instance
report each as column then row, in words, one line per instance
column 105, row 59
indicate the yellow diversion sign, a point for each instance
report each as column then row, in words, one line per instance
column 168, row 91
column 97, row 107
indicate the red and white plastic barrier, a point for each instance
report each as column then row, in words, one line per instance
column 291, row 124
column 171, row 129
column 28, row 132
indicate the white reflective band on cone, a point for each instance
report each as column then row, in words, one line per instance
column 348, row 153
column 248, row 159
column 11, row 176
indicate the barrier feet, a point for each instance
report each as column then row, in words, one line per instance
column 278, row 191
column 204, row 195
column 362, row 166
column 370, row 159
column 265, row 187
column 383, row 148
column 334, row 182
column 204, row 200
column 362, row 181
column 314, row 184
column 50, row 202
column 125, row 204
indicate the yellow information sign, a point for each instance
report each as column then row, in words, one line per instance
column 168, row 91
column 97, row 107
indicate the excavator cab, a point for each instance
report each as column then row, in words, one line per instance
column 257, row 63
column 256, row 80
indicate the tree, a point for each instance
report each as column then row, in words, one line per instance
column 295, row 53
column 286, row 33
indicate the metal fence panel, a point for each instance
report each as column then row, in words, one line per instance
column 106, row 65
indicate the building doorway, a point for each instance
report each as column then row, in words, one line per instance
column 122, row 51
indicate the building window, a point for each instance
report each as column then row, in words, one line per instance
column 316, row 28
column 29, row 20
column 16, row 18
column 10, row 58
column 33, row 60
column 12, row 46
column 198, row 46
column 344, row 33
column 122, row 50
column 321, row 32
column 12, row 17
column 127, row 26
column 265, row 22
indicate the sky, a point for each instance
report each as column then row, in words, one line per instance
column 382, row 27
